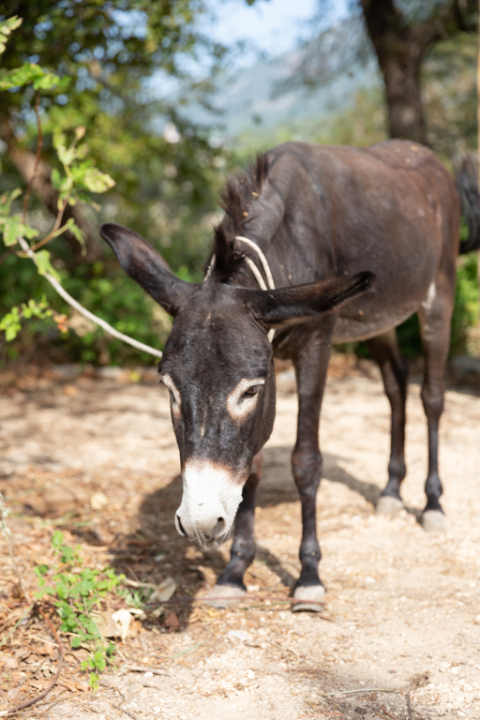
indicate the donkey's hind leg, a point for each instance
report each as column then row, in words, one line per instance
column 394, row 369
column 230, row 585
column 435, row 318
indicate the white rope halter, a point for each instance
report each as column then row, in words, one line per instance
column 258, row 276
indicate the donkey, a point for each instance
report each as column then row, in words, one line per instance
column 319, row 224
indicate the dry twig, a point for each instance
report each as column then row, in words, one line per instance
column 127, row 712
column 8, row 539
column 355, row 692
column 409, row 707
column 35, row 700
column 384, row 710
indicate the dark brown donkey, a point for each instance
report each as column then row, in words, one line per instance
column 322, row 216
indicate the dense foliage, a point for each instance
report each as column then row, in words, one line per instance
column 116, row 61
column 166, row 172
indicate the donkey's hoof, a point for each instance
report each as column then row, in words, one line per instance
column 388, row 505
column 433, row 521
column 226, row 596
column 311, row 597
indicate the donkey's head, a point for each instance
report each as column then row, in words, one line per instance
column 218, row 367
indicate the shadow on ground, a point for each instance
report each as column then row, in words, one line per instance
column 155, row 549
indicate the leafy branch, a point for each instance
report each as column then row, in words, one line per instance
column 79, row 176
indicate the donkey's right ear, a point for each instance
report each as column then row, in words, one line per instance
column 143, row 263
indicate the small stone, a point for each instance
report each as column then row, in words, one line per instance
column 148, row 674
column 98, row 501
column 239, row 635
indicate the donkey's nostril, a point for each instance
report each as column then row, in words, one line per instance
column 180, row 527
column 219, row 528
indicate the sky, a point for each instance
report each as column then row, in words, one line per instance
column 272, row 26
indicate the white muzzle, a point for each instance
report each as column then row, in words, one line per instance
column 211, row 496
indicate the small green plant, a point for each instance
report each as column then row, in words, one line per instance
column 77, row 592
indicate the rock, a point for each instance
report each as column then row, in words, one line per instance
column 98, row 501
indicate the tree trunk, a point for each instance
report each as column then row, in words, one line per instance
column 400, row 49
column 404, row 103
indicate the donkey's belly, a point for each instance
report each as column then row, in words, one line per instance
column 352, row 329
column 360, row 322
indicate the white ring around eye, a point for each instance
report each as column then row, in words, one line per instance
column 239, row 405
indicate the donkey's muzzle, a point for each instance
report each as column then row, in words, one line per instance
column 203, row 536
column 211, row 496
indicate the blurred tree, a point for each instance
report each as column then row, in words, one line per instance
column 111, row 52
column 130, row 66
column 402, row 33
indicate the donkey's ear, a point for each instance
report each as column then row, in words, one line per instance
column 275, row 307
column 142, row 262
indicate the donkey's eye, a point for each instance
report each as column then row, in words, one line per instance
column 253, row 390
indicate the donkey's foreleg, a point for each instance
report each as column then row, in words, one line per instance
column 311, row 371
column 230, row 583
column 435, row 318
column 394, row 369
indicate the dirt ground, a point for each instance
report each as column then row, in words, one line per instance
column 402, row 620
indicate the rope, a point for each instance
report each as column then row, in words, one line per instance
column 263, row 260
column 256, row 272
column 125, row 338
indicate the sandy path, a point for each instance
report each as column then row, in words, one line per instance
column 405, row 605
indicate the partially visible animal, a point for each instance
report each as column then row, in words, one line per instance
column 328, row 220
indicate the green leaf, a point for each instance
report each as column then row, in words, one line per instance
column 76, row 642
column 13, row 228
column 6, row 201
column 44, row 265
column 47, row 82
column 6, row 28
column 57, row 537
column 66, row 155
column 56, row 179
column 76, row 232
column 96, row 181
column 40, row 570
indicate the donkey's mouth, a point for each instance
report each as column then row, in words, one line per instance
column 209, row 544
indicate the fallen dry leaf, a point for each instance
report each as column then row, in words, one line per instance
column 172, row 622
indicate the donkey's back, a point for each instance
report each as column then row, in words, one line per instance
column 392, row 208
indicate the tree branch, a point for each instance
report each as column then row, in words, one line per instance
column 83, row 311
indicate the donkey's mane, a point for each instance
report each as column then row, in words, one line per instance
column 236, row 198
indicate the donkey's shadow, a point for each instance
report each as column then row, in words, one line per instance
column 158, row 551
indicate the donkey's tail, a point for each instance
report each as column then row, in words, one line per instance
column 466, row 179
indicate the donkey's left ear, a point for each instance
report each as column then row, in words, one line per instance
column 275, row 307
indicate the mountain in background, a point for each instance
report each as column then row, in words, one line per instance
column 271, row 92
